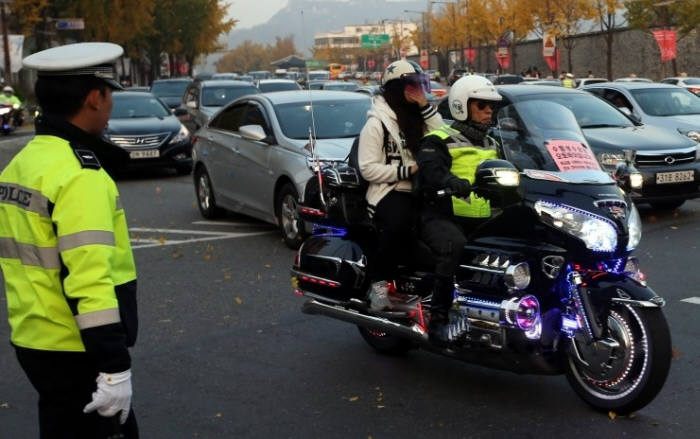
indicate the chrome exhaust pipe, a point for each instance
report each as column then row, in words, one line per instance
column 414, row 332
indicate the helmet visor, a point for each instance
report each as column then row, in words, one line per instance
column 419, row 81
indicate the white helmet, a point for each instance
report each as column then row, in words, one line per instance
column 470, row 87
column 400, row 68
column 8, row 89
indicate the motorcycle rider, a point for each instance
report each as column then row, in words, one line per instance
column 8, row 97
column 447, row 159
column 400, row 116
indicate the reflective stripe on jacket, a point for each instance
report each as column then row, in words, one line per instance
column 466, row 157
column 64, row 249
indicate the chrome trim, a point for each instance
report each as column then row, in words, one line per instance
column 488, row 270
column 641, row 303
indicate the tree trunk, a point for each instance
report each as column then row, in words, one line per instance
column 609, row 43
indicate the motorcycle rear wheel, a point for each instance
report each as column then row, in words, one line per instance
column 634, row 373
column 385, row 343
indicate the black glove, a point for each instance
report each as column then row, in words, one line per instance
column 459, row 187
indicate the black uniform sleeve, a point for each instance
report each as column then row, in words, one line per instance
column 434, row 163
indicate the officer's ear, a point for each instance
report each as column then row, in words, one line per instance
column 96, row 98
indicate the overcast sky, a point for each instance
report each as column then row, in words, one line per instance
column 252, row 12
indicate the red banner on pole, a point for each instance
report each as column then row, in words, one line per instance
column 503, row 58
column 470, row 55
column 424, row 59
column 667, row 43
column 553, row 61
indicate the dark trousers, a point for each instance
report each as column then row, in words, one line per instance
column 65, row 382
column 394, row 218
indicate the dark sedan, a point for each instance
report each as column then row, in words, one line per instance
column 667, row 159
column 170, row 91
column 143, row 125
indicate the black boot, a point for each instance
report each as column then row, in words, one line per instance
column 443, row 296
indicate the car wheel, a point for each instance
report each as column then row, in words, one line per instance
column 205, row 194
column 291, row 226
column 667, row 205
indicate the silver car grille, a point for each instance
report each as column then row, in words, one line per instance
column 140, row 141
column 660, row 158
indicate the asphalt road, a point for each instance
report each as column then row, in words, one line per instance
column 224, row 352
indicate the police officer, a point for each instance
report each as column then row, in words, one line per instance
column 8, row 96
column 568, row 80
column 447, row 159
column 65, row 254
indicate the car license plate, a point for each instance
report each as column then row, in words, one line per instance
column 147, row 154
column 674, row 177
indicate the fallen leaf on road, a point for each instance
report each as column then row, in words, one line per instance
column 164, row 321
column 653, row 219
column 158, row 190
column 674, row 228
column 267, row 265
column 177, row 255
column 612, row 415
column 238, row 300
column 161, row 240
column 353, row 398
column 207, row 257
column 380, row 406
column 227, row 276
column 218, row 415
column 5, row 405
column 675, row 353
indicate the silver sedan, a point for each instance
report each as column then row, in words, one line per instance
column 253, row 156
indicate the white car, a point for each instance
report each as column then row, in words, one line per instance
column 689, row 82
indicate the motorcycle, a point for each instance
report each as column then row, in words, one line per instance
column 11, row 117
column 547, row 285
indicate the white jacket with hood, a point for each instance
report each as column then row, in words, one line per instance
column 388, row 170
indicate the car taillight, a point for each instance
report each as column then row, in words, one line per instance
column 194, row 140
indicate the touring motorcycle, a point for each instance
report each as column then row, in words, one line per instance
column 546, row 285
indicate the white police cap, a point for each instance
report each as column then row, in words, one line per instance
column 89, row 59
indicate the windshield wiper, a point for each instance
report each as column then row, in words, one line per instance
column 603, row 125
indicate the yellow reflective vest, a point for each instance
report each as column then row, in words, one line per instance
column 465, row 159
column 64, row 248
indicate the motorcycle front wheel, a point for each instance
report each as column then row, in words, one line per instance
column 626, row 375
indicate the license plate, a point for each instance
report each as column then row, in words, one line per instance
column 674, row 177
column 147, row 154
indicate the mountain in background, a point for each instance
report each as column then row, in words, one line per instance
column 319, row 16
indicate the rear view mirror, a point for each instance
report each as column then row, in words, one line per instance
column 253, row 132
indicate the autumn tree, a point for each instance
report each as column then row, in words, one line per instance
column 649, row 15
column 607, row 19
column 249, row 56
column 496, row 19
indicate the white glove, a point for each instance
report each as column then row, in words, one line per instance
column 112, row 396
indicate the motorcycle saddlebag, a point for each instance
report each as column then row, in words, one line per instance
column 330, row 267
column 343, row 193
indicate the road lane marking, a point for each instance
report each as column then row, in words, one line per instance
column 208, row 236
column 229, row 223
column 695, row 300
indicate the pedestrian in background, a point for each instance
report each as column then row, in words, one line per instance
column 568, row 80
column 65, row 253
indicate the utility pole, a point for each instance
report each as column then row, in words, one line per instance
column 6, row 44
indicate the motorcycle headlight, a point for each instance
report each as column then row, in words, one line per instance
column 4, row 110
column 598, row 233
column 181, row 135
column 634, row 228
column 15, row 106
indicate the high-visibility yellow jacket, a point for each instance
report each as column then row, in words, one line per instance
column 464, row 158
column 70, row 278
column 5, row 99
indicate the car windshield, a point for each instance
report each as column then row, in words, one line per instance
column 222, row 95
column 347, row 86
column 691, row 81
column 333, row 119
column 169, row 89
column 590, row 111
column 667, row 101
column 129, row 107
column 277, row 86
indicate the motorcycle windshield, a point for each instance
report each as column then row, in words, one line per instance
column 543, row 140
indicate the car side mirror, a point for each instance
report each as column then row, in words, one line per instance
column 253, row 132
column 179, row 111
column 508, row 124
column 191, row 104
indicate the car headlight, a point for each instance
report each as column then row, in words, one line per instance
column 598, row 233
column 611, row 158
column 181, row 135
column 634, row 228
column 311, row 163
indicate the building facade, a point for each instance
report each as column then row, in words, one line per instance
column 351, row 36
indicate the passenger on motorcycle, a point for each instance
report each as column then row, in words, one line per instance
column 400, row 116
column 447, row 159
